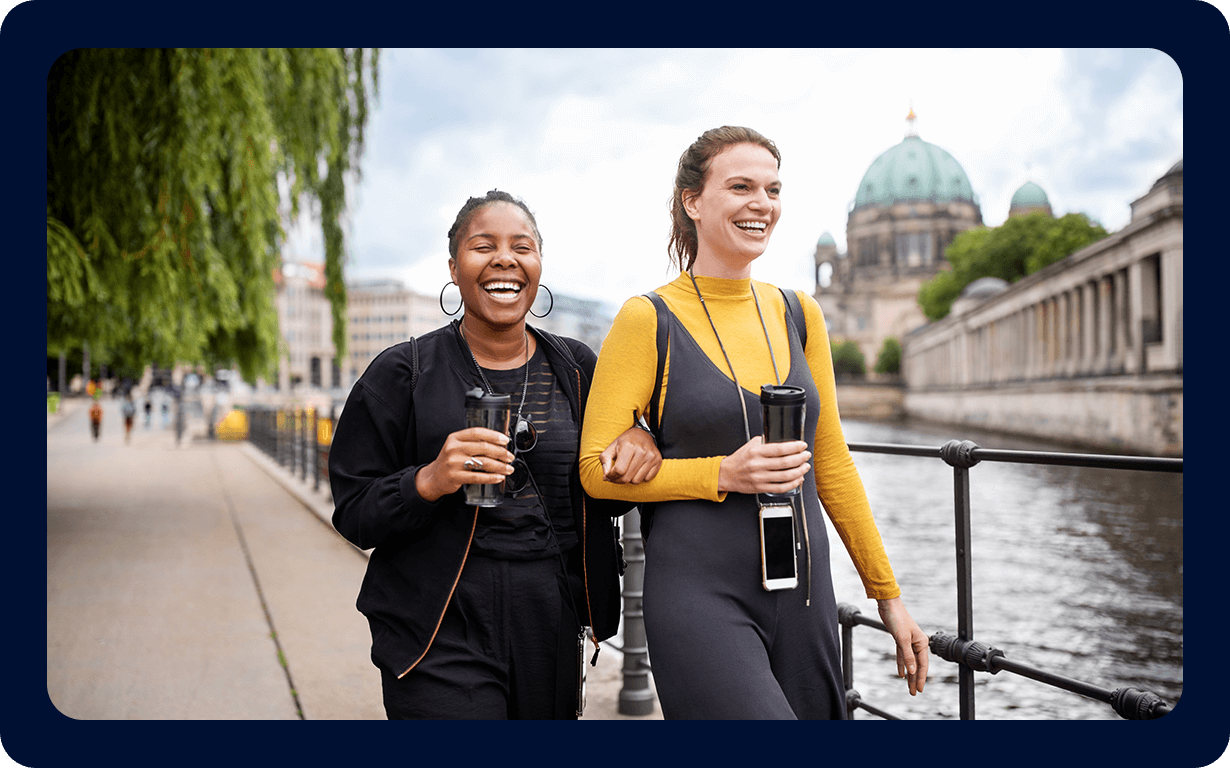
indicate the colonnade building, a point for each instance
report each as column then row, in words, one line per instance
column 1089, row 348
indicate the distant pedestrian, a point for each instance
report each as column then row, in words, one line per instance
column 96, row 416
column 149, row 408
column 129, row 409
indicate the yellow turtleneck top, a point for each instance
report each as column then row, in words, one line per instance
column 624, row 380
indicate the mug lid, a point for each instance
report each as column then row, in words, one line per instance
column 477, row 396
column 782, row 394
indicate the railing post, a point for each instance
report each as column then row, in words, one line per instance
column 280, row 426
column 315, row 450
column 960, row 455
column 635, row 697
column 845, row 614
column 303, row 453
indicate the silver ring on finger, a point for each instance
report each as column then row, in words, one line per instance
column 473, row 463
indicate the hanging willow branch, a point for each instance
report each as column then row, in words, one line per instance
column 164, row 217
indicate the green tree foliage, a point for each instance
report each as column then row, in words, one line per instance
column 1020, row 246
column 848, row 359
column 889, row 359
column 165, row 212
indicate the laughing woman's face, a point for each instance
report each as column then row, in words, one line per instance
column 736, row 211
column 497, row 266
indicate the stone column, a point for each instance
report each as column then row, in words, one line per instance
column 1121, row 329
column 1135, row 360
column 1089, row 312
column 1103, row 324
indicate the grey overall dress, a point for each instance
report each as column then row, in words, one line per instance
column 720, row 645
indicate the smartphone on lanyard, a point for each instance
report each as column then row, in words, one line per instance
column 778, row 565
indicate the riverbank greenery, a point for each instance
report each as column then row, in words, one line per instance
column 171, row 175
column 889, row 358
column 848, row 359
column 1020, row 246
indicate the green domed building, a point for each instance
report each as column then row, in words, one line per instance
column 1027, row 199
column 912, row 201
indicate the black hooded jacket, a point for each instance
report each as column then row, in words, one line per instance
column 386, row 432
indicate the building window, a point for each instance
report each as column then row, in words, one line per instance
column 913, row 249
column 868, row 252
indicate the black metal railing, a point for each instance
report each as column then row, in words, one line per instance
column 298, row 439
column 972, row 656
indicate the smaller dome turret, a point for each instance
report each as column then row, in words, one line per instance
column 1029, row 198
column 977, row 292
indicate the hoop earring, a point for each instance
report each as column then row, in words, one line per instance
column 550, row 307
column 459, row 306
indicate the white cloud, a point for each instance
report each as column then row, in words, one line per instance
column 590, row 139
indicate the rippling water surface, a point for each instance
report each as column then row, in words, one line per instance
column 1076, row 571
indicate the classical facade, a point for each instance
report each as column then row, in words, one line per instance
column 912, row 201
column 306, row 323
column 381, row 313
column 1089, row 349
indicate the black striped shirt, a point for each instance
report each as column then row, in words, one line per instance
column 518, row 529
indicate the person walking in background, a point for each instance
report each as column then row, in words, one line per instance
column 149, row 408
column 96, row 416
column 129, row 409
column 481, row 612
column 724, row 645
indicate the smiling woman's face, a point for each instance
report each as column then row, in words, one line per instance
column 497, row 266
column 736, row 211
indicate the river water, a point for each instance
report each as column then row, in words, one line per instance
column 1076, row 571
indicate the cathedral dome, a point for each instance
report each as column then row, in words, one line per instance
column 914, row 170
column 1029, row 195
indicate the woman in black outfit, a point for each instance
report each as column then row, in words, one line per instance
column 481, row 612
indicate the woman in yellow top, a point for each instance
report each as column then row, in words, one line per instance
column 722, row 644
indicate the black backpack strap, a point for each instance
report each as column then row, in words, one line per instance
column 794, row 311
column 558, row 344
column 663, row 342
column 414, row 363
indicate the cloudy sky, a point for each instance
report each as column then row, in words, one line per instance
column 590, row 138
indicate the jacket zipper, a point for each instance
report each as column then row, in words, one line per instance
column 439, row 621
column 584, row 532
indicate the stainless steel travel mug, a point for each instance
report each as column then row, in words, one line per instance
column 784, row 411
column 491, row 412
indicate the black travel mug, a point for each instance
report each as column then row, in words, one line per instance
column 784, row 411
column 491, row 412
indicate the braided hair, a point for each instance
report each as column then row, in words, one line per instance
column 473, row 205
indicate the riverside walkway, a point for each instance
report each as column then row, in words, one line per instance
column 197, row 580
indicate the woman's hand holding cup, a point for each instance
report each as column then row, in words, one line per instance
column 475, row 455
column 760, row 467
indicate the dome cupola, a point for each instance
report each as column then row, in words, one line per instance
column 913, row 170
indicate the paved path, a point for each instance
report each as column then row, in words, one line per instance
column 198, row 580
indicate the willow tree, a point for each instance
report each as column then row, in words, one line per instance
column 171, row 176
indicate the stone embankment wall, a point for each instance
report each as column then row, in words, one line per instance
column 870, row 400
column 1136, row 414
